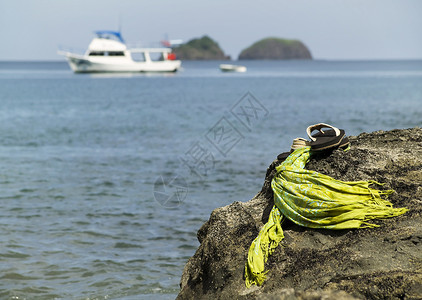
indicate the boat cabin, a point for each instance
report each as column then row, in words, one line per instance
column 107, row 43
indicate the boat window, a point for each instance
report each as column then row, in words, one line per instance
column 96, row 53
column 138, row 56
column 156, row 56
column 116, row 53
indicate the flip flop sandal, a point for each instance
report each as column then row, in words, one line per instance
column 283, row 156
column 299, row 143
column 330, row 132
column 324, row 141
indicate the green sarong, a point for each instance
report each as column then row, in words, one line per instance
column 314, row 200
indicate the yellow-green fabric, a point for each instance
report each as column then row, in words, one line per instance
column 314, row 200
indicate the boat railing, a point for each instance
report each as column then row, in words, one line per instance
column 131, row 45
column 150, row 50
column 64, row 49
column 140, row 45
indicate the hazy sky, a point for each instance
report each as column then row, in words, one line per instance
column 332, row 29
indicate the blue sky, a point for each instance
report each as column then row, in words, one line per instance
column 332, row 29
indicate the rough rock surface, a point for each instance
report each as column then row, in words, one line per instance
column 276, row 48
column 376, row 263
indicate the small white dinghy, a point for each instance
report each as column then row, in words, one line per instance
column 232, row 68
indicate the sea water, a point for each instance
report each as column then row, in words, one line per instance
column 106, row 178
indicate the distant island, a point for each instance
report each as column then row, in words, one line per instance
column 203, row 48
column 276, row 48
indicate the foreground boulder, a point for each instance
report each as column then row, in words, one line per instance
column 376, row 263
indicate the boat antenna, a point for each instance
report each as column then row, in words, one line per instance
column 119, row 24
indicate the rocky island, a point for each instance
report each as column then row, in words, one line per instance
column 203, row 48
column 373, row 263
column 275, row 49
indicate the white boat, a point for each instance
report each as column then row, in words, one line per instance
column 108, row 52
column 232, row 68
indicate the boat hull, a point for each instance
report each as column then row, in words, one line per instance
column 86, row 64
